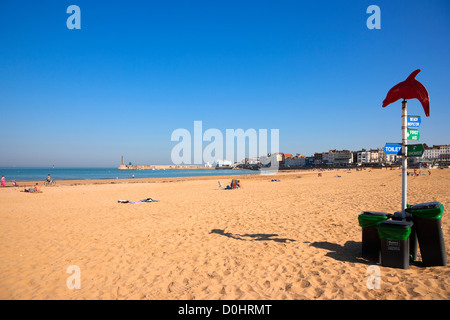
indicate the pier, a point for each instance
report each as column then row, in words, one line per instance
column 131, row 166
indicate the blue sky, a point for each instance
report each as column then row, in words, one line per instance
column 136, row 71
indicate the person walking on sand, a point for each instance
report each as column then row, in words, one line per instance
column 3, row 181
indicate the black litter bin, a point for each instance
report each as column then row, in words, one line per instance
column 400, row 216
column 371, row 247
column 428, row 225
column 394, row 235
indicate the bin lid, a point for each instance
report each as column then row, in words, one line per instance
column 371, row 218
column 375, row 213
column 398, row 216
column 427, row 210
column 425, row 205
column 394, row 229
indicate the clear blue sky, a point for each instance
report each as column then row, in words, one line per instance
column 138, row 70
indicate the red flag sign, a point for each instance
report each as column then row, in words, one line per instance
column 409, row 89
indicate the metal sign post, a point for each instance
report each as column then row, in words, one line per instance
column 404, row 158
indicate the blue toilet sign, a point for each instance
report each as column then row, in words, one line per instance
column 393, row 148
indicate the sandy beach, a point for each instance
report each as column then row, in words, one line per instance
column 298, row 238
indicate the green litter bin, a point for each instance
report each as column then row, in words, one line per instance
column 371, row 247
column 427, row 219
column 394, row 237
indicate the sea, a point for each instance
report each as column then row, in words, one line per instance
column 38, row 174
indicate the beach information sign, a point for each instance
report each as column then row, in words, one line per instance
column 412, row 135
column 393, row 148
column 414, row 150
column 408, row 89
column 413, row 121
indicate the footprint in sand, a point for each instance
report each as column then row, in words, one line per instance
column 305, row 284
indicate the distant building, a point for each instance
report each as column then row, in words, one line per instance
column 372, row 156
column 295, row 162
column 392, row 158
column 309, row 161
column 436, row 153
column 431, row 153
column 223, row 163
column 325, row 158
column 343, row 158
column 318, row 158
column 331, row 154
column 381, row 155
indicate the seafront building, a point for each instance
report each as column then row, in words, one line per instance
column 372, row 157
column 434, row 155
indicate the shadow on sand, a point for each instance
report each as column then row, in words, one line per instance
column 349, row 252
column 251, row 237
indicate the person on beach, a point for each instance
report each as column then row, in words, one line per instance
column 49, row 180
column 37, row 187
column 3, row 181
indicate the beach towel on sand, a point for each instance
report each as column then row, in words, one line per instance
column 233, row 185
column 140, row 201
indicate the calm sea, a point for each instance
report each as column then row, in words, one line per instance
column 38, row 174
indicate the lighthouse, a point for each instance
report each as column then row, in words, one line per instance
column 122, row 166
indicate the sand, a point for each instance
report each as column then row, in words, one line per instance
column 294, row 239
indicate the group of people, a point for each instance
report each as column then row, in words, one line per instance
column 3, row 182
column 415, row 174
column 36, row 188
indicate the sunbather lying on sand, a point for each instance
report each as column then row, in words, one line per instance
column 140, row 201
